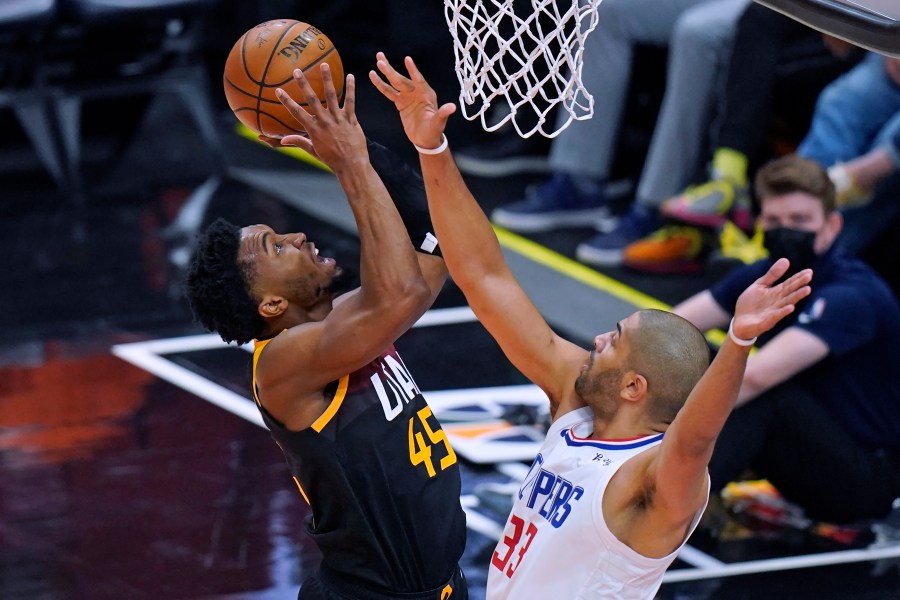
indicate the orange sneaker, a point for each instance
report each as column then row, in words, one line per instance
column 672, row 249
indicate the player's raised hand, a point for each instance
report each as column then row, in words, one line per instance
column 333, row 133
column 763, row 304
column 423, row 120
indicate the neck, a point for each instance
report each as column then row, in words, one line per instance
column 623, row 427
column 276, row 325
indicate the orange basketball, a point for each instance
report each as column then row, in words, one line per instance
column 264, row 59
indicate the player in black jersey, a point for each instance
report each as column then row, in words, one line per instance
column 365, row 451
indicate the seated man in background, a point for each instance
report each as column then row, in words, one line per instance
column 775, row 72
column 855, row 115
column 819, row 409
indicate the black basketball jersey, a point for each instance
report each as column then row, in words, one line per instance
column 380, row 477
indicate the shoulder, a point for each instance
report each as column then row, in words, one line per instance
column 851, row 283
column 852, row 308
column 287, row 358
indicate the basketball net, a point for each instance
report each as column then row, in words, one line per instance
column 519, row 69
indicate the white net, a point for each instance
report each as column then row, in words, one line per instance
column 520, row 67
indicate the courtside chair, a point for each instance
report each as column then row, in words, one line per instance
column 127, row 48
column 24, row 26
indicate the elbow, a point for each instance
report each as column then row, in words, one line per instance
column 470, row 278
column 413, row 296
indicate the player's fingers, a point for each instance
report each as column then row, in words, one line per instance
column 314, row 105
column 794, row 282
column 331, row 98
column 298, row 141
column 273, row 142
column 413, row 70
column 391, row 74
column 350, row 98
column 801, row 278
column 380, row 85
column 298, row 112
column 798, row 295
column 285, row 98
column 446, row 110
column 775, row 272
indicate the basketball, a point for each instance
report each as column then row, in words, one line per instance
column 263, row 59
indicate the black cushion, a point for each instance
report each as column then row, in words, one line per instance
column 16, row 13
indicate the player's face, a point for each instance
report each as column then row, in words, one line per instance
column 600, row 378
column 286, row 264
column 803, row 212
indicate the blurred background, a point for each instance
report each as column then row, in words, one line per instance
column 117, row 146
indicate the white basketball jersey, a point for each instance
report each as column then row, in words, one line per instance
column 556, row 543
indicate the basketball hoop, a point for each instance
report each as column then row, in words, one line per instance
column 513, row 68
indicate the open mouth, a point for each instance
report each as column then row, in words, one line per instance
column 315, row 253
column 587, row 366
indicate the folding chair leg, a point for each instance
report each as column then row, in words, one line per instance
column 68, row 114
column 34, row 116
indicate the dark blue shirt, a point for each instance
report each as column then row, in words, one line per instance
column 855, row 313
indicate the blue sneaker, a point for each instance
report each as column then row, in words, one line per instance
column 606, row 249
column 561, row 201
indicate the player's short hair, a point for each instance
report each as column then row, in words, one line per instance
column 793, row 173
column 217, row 285
column 672, row 354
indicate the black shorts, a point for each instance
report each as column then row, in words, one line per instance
column 326, row 585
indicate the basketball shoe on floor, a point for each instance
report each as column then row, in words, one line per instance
column 673, row 249
column 710, row 204
column 561, row 201
column 605, row 249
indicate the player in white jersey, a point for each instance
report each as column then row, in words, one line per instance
column 622, row 478
column 562, row 495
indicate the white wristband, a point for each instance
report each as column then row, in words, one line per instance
column 736, row 339
column 437, row 150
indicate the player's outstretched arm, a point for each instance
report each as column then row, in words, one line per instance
column 469, row 244
column 393, row 293
column 679, row 472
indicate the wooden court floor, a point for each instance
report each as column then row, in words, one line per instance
column 132, row 462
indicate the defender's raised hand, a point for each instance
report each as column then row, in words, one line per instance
column 423, row 120
column 763, row 304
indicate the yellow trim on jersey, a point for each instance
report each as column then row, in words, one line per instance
column 335, row 404
column 300, row 487
column 258, row 346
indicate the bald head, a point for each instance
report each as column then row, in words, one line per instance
column 672, row 355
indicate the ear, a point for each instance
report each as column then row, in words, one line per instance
column 833, row 223
column 634, row 386
column 836, row 221
column 272, row 306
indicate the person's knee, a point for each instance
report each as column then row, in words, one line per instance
column 616, row 18
column 703, row 30
column 830, row 97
